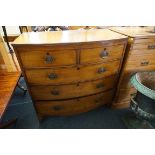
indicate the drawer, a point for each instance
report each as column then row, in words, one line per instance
column 36, row 59
column 141, row 62
column 144, row 45
column 73, row 106
column 72, row 90
column 144, row 40
column 102, row 54
column 142, row 52
column 71, row 74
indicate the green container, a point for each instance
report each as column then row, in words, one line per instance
column 143, row 103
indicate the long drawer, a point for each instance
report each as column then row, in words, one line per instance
column 47, row 58
column 71, row 74
column 103, row 54
column 72, row 90
column 73, row 106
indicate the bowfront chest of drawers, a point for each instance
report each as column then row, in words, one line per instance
column 139, row 56
column 69, row 72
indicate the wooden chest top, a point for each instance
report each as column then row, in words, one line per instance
column 68, row 36
column 135, row 31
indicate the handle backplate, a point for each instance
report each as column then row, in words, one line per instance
column 100, row 85
column 52, row 76
column 104, row 54
column 49, row 58
column 57, row 108
column 55, row 92
column 144, row 63
column 151, row 46
column 101, row 70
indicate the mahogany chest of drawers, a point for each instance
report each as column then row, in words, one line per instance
column 139, row 56
column 69, row 72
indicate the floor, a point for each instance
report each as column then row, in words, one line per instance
column 102, row 118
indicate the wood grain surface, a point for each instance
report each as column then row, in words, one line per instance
column 8, row 82
column 70, row 36
column 69, row 70
column 139, row 57
column 135, row 31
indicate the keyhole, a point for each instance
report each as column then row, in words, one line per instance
column 77, row 84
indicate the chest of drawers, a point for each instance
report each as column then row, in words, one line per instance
column 139, row 56
column 70, row 72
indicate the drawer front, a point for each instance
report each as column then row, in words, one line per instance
column 73, row 106
column 71, row 74
column 144, row 45
column 141, row 62
column 144, row 40
column 36, row 59
column 101, row 54
column 72, row 90
column 142, row 52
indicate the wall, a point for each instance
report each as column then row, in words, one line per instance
column 11, row 30
column 7, row 62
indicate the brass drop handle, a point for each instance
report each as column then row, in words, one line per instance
column 151, row 46
column 144, row 63
column 52, row 76
column 104, row 54
column 100, row 85
column 98, row 101
column 57, row 108
column 55, row 92
column 48, row 58
column 101, row 70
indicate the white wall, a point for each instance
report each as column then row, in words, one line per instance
column 10, row 30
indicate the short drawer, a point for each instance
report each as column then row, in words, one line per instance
column 36, row 59
column 141, row 62
column 144, row 46
column 72, row 90
column 71, row 74
column 102, row 54
column 142, row 52
column 73, row 106
column 144, row 40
